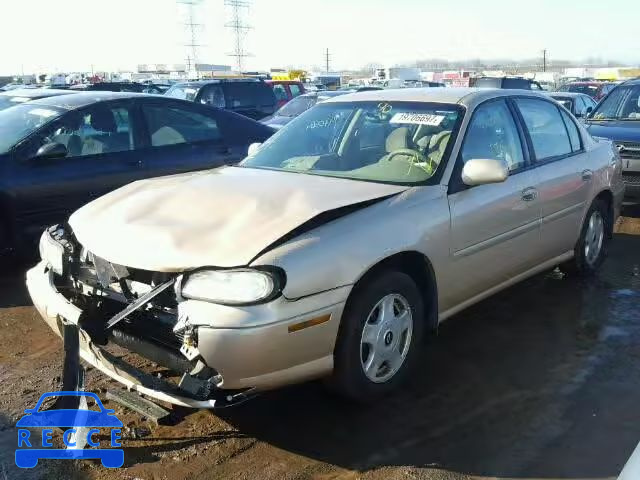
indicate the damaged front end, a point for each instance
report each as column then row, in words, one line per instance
column 114, row 308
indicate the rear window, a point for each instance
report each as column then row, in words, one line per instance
column 590, row 90
column 249, row 94
column 183, row 92
column 488, row 83
column 516, row 83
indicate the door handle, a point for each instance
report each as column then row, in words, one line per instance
column 529, row 194
column 587, row 175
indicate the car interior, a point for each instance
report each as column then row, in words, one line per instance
column 94, row 133
column 368, row 145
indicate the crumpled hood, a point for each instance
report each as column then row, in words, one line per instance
column 627, row 131
column 223, row 217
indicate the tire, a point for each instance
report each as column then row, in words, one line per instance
column 396, row 340
column 593, row 245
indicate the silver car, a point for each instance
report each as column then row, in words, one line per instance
column 335, row 247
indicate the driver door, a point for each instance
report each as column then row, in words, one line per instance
column 495, row 228
column 101, row 157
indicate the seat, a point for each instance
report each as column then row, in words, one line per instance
column 437, row 145
column 103, row 121
column 396, row 140
column 166, row 136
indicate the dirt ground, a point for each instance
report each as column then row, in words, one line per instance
column 541, row 381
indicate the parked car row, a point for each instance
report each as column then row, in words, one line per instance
column 330, row 251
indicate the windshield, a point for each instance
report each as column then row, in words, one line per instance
column 389, row 142
column 19, row 121
column 297, row 106
column 183, row 92
column 623, row 103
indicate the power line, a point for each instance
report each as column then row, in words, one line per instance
column 193, row 31
column 239, row 29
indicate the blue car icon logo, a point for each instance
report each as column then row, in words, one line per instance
column 73, row 420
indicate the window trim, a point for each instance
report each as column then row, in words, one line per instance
column 535, row 162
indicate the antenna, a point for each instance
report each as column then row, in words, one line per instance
column 193, row 30
column 239, row 29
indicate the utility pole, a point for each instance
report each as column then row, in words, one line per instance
column 239, row 29
column 544, row 60
column 326, row 58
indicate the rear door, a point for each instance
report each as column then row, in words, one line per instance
column 180, row 137
column 101, row 141
column 562, row 167
column 495, row 228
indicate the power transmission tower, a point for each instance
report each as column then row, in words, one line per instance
column 326, row 59
column 193, row 30
column 239, row 29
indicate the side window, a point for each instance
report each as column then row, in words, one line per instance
column 175, row 125
column 97, row 130
column 492, row 133
column 574, row 134
column 295, row 89
column 213, row 95
column 280, row 92
column 546, row 128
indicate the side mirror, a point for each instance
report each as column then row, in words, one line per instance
column 588, row 111
column 253, row 148
column 52, row 150
column 480, row 171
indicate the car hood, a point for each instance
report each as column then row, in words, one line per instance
column 627, row 131
column 224, row 217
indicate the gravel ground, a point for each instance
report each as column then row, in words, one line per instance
column 541, row 381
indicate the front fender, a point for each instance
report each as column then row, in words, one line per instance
column 341, row 252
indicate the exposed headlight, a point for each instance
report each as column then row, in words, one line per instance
column 52, row 252
column 231, row 287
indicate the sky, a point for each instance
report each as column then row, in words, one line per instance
column 74, row 35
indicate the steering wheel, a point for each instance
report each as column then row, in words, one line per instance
column 419, row 157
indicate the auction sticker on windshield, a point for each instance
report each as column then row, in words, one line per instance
column 417, row 118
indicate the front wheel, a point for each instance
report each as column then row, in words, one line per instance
column 379, row 334
column 591, row 249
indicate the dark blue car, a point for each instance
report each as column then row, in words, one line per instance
column 617, row 117
column 75, row 418
column 58, row 153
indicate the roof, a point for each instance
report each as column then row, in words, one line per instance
column 463, row 96
column 200, row 83
column 74, row 100
column 33, row 92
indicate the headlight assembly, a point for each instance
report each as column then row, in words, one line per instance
column 232, row 287
column 51, row 252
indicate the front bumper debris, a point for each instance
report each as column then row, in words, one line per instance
column 64, row 316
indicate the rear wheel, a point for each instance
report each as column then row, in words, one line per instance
column 591, row 249
column 380, row 330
